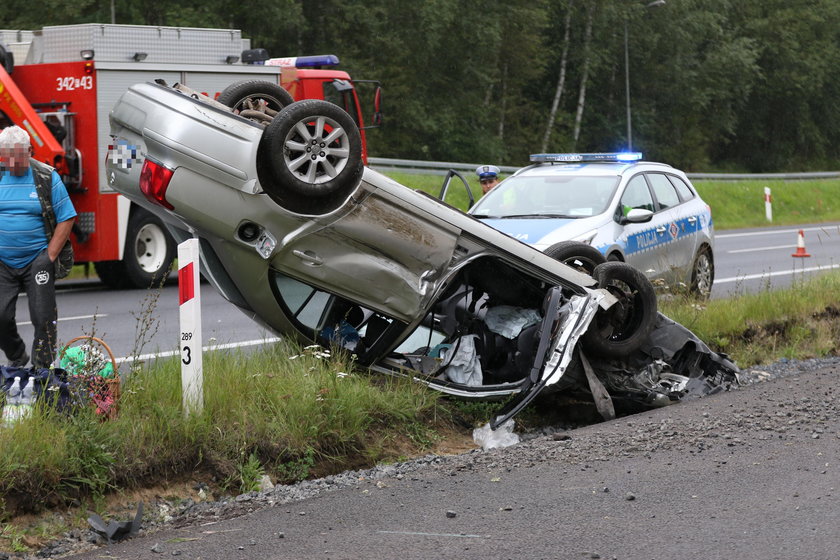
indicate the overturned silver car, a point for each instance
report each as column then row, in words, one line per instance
column 299, row 235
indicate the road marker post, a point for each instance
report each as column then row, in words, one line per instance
column 189, row 300
column 768, row 204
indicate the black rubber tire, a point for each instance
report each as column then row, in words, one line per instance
column 620, row 330
column 304, row 173
column 703, row 273
column 148, row 256
column 578, row 255
column 237, row 93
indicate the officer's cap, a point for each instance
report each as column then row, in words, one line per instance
column 487, row 172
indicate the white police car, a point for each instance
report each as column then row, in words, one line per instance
column 646, row 214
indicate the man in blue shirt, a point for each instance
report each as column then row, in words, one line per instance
column 26, row 255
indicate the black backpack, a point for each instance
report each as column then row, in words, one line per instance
column 42, row 173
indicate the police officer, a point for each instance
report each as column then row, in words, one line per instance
column 488, row 176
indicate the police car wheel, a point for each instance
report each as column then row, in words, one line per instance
column 703, row 274
column 309, row 160
column 580, row 256
column 620, row 330
column 247, row 95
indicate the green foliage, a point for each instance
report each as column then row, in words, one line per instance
column 714, row 84
column 250, row 474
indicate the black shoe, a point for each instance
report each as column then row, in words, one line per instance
column 20, row 362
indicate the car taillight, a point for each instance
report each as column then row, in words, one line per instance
column 154, row 180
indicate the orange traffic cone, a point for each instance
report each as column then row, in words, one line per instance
column 800, row 246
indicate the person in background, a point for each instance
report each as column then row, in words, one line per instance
column 488, row 176
column 26, row 255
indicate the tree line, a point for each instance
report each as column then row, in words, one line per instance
column 738, row 85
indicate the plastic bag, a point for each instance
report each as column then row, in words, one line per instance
column 463, row 366
column 502, row 436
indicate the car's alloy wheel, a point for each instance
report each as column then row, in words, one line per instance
column 310, row 157
column 257, row 100
column 703, row 274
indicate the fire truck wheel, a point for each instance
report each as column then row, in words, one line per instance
column 309, row 160
column 247, row 95
column 621, row 329
column 580, row 256
column 147, row 259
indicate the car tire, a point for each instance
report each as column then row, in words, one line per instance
column 238, row 94
column 148, row 256
column 703, row 273
column 578, row 255
column 309, row 160
column 620, row 330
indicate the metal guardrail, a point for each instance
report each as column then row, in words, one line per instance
column 441, row 167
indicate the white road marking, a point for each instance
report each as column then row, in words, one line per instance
column 76, row 318
column 772, row 274
column 210, row 347
column 777, row 231
column 762, row 249
column 431, row 534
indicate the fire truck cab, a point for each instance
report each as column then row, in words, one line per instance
column 60, row 84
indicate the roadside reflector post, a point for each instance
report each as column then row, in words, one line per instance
column 189, row 300
column 768, row 204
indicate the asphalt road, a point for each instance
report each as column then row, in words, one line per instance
column 749, row 474
column 755, row 259
column 745, row 260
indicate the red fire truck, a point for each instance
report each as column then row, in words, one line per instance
column 60, row 83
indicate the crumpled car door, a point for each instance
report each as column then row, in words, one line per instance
column 564, row 322
column 382, row 254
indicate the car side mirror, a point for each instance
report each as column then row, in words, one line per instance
column 636, row 216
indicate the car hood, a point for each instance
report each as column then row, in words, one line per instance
column 543, row 232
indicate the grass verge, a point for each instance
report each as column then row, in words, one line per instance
column 285, row 412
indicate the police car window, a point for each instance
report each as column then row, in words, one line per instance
column 684, row 190
column 666, row 194
column 637, row 195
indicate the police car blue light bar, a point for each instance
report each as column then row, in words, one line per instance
column 576, row 158
column 304, row 61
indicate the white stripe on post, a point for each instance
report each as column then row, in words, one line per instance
column 189, row 299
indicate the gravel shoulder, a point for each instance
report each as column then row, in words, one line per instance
column 752, row 473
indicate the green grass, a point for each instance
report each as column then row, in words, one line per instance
column 740, row 204
column 798, row 322
column 734, row 204
column 286, row 412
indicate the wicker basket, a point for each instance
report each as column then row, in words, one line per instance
column 104, row 392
